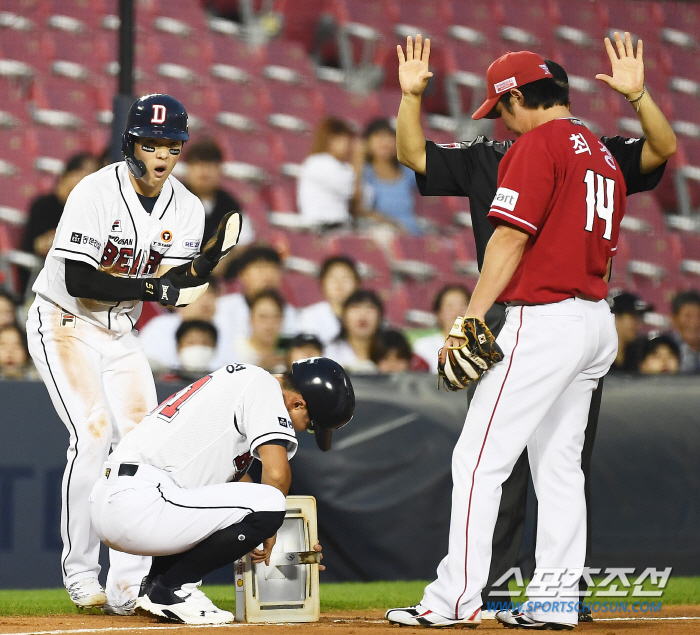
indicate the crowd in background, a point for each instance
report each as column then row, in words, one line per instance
column 345, row 181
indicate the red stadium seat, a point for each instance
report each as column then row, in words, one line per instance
column 304, row 102
column 439, row 210
column 528, row 25
column 380, row 15
column 282, row 195
column 251, row 102
column 431, row 19
column 581, row 23
column 300, row 19
column 684, row 63
column 685, row 107
column 193, row 52
column 483, row 17
column 353, row 107
column 55, row 143
column 189, row 12
column 369, row 257
column 690, row 246
column 305, row 245
column 645, row 207
column 88, row 50
column 292, row 57
column 683, row 17
column 300, row 289
column 297, row 145
column 66, row 95
column 252, row 204
column 14, row 108
column 32, row 47
column 437, row 252
column 259, row 149
column 642, row 18
column 231, row 51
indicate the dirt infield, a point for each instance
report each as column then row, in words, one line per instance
column 672, row 620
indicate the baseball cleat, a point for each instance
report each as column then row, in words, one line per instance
column 585, row 615
column 514, row 619
column 421, row 616
column 87, row 594
column 186, row 605
column 127, row 608
column 488, row 615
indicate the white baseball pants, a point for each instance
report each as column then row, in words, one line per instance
column 101, row 386
column 537, row 397
column 150, row 514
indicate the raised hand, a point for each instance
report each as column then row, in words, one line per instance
column 627, row 70
column 413, row 68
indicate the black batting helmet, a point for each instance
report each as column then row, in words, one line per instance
column 328, row 393
column 157, row 116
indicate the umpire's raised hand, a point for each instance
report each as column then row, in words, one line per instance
column 413, row 68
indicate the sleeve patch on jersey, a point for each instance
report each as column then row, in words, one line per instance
column 190, row 243
column 92, row 242
column 505, row 198
column 76, row 238
column 449, row 145
column 285, row 423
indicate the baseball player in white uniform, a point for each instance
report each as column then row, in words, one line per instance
column 177, row 488
column 122, row 226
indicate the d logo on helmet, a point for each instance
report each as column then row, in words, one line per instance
column 159, row 113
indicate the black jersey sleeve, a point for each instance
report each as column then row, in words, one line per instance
column 628, row 153
column 448, row 170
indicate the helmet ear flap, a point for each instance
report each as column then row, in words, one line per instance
column 136, row 167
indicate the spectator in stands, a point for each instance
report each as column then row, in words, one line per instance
column 449, row 303
column 327, row 188
column 388, row 187
column 203, row 178
column 257, row 269
column 261, row 347
column 14, row 356
column 685, row 312
column 660, row 355
column 356, row 344
column 338, row 279
column 393, row 354
column 196, row 347
column 46, row 210
column 303, row 346
column 8, row 313
column 159, row 338
column 629, row 312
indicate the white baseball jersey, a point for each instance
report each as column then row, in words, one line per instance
column 104, row 225
column 209, row 432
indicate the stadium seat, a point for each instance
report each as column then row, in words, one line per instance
column 252, row 205
column 686, row 107
column 353, row 107
column 684, row 63
column 644, row 207
column 57, row 144
column 598, row 110
column 87, row 51
column 65, row 95
column 260, row 149
column 14, row 108
column 653, row 256
column 379, row 15
column 528, row 25
column 425, row 257
column 302, row 102
column 300, row 289
column 431, row 19
column 580, row 23
column 642, row 18
column 288, row 62
column 439, row 210
column 252, row 103
column 305, row 245
column 18, row 148
column 194, row 52
column 690, row 246
column 90, row 13
column 681, row 23
column 300, row 19
column 297, row 146
column 232, row 53
column 477, row 21
column 281, row 195
column 374, row 267
column 32, row 47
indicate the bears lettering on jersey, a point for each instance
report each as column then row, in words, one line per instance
column 118, row 259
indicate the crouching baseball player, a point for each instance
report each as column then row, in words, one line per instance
column 176, row 487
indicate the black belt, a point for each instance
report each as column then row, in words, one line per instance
column 128, row 469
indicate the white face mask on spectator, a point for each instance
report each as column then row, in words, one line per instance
column 197, row 358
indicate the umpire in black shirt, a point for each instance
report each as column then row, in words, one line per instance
column 470, row 169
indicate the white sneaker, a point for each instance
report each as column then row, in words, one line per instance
column 187, row 605
column 87, row 593
column 515, row 619
column 419, row 615
column 127, row 608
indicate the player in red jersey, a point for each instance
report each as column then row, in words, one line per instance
column 557, row 213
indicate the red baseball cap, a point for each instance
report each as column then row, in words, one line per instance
column 510, row 71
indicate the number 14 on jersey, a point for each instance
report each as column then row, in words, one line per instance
column 600, row 200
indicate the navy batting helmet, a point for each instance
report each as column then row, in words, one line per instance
column 328, row 393
column 157, row 116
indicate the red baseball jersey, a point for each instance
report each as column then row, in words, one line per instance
column 560, row 184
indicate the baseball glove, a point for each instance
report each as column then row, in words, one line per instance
column 472, row 358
